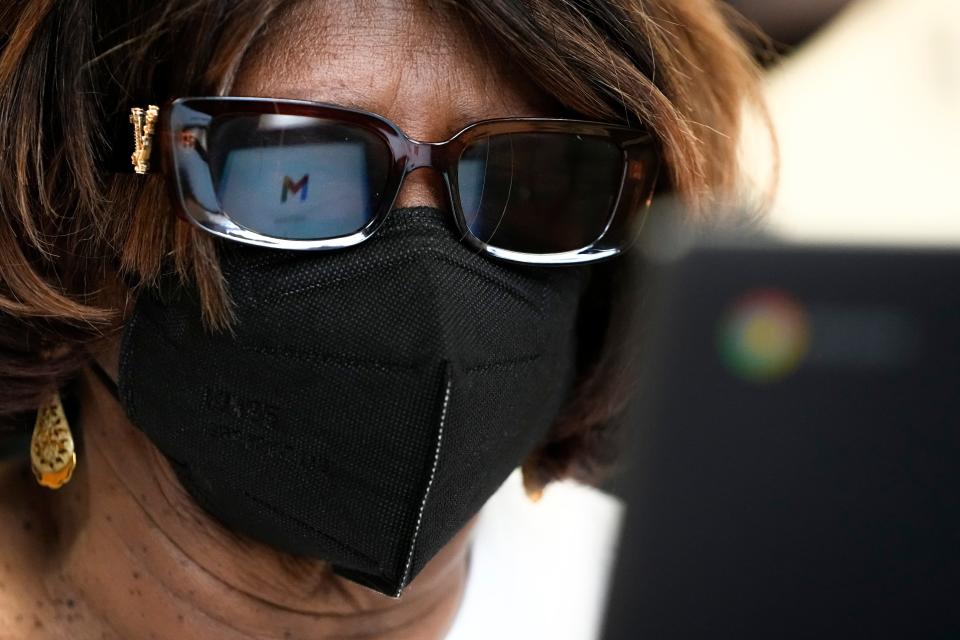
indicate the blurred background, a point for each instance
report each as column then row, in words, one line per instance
column 865, row 101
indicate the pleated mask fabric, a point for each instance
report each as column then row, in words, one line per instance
column 367, row 402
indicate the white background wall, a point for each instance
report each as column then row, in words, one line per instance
column 868, row 120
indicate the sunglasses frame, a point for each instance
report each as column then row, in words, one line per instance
column 641, row 166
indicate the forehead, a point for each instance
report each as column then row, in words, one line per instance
column 428, row 72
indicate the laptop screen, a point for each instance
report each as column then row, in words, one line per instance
column 795, row 453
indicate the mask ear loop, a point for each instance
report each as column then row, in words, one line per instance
column 105, row 379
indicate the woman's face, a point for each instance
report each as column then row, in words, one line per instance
column 402, row 361
column 394, row 58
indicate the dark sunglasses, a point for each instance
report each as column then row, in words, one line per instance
column 294, row 174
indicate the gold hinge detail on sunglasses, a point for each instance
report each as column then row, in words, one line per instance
column 144, row 124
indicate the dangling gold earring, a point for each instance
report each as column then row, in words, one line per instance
column 52, row 453
column 531, row 486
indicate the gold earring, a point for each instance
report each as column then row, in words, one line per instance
column 531, row 485
column 52, row 453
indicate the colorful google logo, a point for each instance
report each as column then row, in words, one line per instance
column 764, row 335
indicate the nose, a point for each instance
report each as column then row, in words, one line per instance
column 422, row 187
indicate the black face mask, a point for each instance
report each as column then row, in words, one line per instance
column 369, row 400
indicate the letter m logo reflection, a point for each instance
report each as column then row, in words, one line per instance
column 291, row 187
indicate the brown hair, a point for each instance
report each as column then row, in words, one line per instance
column 69, row 232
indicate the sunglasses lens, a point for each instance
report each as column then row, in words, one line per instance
column 539, row 192
column 296, row 177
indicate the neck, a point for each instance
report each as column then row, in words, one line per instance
column 135, row 548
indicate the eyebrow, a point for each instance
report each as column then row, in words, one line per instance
column 343, row 98
column 349, row 98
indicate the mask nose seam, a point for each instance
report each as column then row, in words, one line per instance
column 426, row 493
